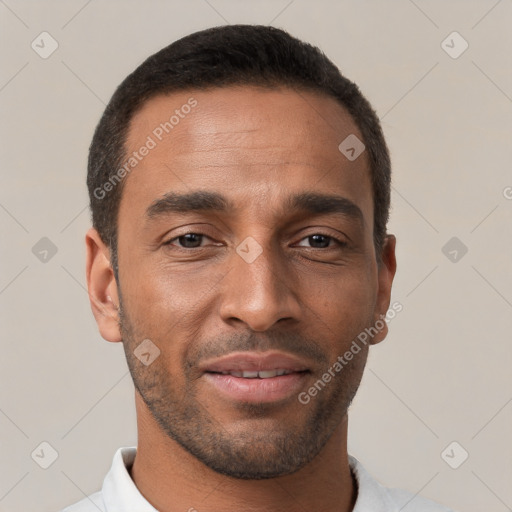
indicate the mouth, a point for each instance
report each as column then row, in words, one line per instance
column 268, row 388
column 252, row 364
column 256, row 377
column 261, row 374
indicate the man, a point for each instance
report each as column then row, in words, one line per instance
column 240, row 190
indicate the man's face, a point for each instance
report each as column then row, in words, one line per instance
column 257, row 274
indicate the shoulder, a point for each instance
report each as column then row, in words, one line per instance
column 374, row 497
column 406, row 501
column 118, row 489
column 92, row 503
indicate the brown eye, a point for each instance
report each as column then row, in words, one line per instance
column 188, row 240
column 321, row 241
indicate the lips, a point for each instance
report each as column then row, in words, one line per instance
column 256, row 377
column 255, row 362
column 262, row 374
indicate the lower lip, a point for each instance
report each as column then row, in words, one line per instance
column 257, row 390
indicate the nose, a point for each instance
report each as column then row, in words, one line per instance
column 259, row 293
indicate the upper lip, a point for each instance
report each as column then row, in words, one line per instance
column 255, row 361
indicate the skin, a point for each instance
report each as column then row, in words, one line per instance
column 303, row 296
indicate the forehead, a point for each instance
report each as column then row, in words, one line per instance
column 255, row 144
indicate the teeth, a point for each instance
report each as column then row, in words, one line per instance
column 267, row 373
column 263, row 374
column 249, row 375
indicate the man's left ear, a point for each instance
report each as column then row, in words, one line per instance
column 386, row 273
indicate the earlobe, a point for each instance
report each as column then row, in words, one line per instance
column 386, row 273
column 102, row 287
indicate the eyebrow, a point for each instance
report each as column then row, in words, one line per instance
column 318, row 204
column 199, row 201
column 205, row 201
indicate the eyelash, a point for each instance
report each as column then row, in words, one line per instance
column 337, row 241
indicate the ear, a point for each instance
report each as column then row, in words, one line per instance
column 102, row 287
column 386, row 273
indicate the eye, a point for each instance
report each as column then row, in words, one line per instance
column 316, row 241
column 321, row 241
column 187, row 241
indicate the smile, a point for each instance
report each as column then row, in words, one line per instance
column 264, row 386
column 262, row 374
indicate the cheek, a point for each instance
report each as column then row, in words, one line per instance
column 343, row 306
column 163, row 291
column 169, row 306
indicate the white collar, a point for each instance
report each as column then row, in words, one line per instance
column 119, row 492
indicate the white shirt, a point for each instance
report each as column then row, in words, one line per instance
column 119, row 493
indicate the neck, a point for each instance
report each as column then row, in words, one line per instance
column 173, row 480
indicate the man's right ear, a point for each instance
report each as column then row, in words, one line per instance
column 102, row 287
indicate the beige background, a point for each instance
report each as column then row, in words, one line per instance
column 442, row 375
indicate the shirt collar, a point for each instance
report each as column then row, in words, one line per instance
column 371, row 496
column 120, row 492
